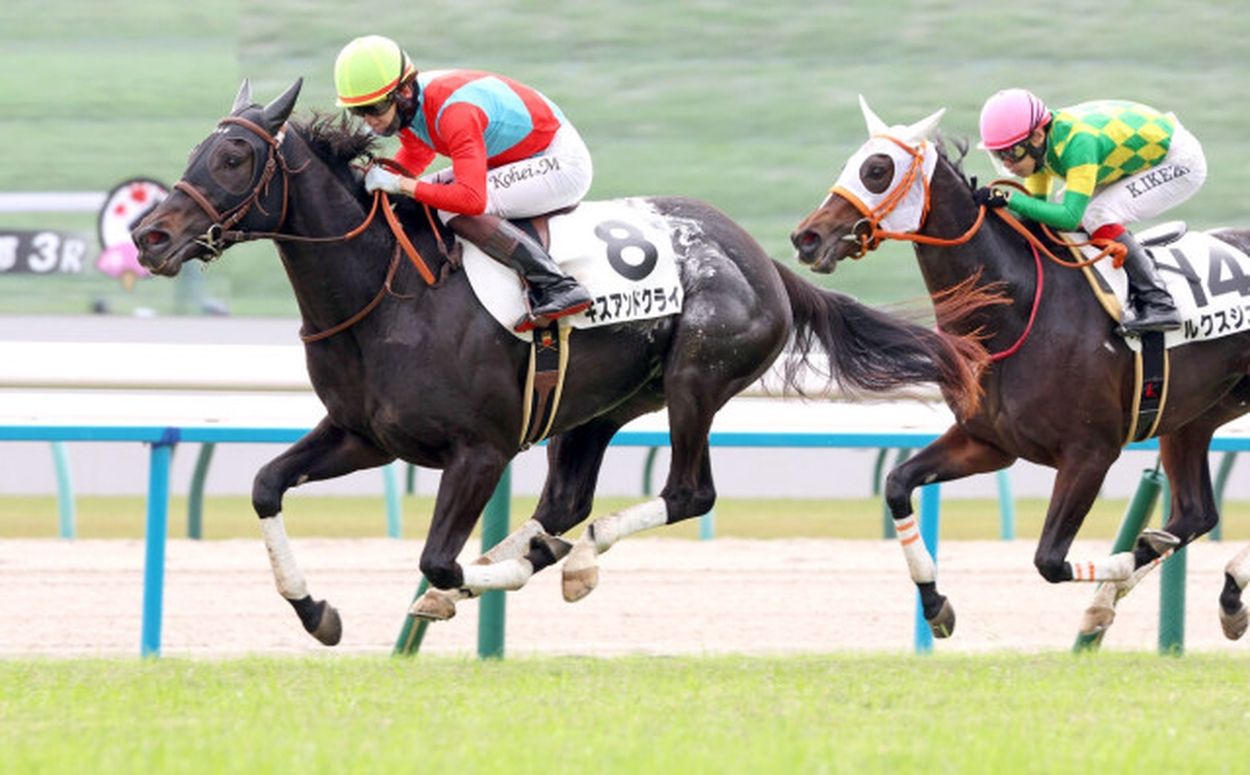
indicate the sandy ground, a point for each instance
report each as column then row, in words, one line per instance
column 656, row 596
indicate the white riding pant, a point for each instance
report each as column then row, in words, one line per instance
column 1150, row 192
column 558, row 177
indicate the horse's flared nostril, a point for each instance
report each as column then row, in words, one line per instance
column 806, row 243
column 148, row 237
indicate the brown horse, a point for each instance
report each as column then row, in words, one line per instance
column 1060, row 390
column 424, row 374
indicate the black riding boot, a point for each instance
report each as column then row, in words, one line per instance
column 1155, row 308
column 553, row 294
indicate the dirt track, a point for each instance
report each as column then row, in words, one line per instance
column 656, row 596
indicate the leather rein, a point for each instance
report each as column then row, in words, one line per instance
column 221, row 233
column 867, row 232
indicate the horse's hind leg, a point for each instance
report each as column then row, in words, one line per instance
column 325, row 452
column 1233, row 614
column 689, row 491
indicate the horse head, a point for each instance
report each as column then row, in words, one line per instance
column 227, row 189
column 883, row 187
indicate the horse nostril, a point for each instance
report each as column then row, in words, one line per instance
column 806, row 241
column 150, row 238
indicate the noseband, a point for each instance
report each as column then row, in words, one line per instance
column 219, row 236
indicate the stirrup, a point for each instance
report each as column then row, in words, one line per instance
column 530, row 322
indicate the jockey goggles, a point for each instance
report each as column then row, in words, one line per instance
column 373, row 108
column 1013, row 153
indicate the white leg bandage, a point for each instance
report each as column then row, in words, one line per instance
column 1117, row 567
column 286, row 573
column 515, row 545
column 612, row 528
column 507, row 574
column 919, row 563
column 1239, row 568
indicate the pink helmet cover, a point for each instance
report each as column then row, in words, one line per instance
column 1009, row 116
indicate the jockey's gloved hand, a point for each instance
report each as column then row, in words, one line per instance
column 379, row 179
column 988, row 196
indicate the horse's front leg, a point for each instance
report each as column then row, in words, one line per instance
column 1233, row 614
column 325, row 452
column 953, row 456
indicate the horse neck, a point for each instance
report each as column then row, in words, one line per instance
column 333, row 281
column 995, row 252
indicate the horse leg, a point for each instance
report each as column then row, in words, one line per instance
column 573, row 460
column 1233, row 614
column 325, row 452
column 688, row 492
column 953, row 456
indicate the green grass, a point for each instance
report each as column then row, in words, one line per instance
column 751, row 107
column 845, row 713
column 354, row 517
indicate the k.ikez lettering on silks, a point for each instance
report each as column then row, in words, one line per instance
column 1155, row 178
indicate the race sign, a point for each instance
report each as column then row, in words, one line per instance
column 43, row 251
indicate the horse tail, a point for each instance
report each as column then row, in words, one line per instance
column 871, row 351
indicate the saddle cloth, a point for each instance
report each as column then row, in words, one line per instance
column 1209, row 281
column 620, row 250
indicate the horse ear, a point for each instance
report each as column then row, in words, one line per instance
column 875, row 125
column 276, row 112
column 243, row 98
column 923, row 129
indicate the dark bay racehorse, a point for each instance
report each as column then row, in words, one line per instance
column 1059, row 391
column 425, row 375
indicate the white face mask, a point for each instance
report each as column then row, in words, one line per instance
column 909, row 210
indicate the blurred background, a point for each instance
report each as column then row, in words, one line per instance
column 749, row 106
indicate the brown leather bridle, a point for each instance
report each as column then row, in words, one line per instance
column 220, row 234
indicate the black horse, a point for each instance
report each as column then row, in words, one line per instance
column 425, row 375
column 1060, row 390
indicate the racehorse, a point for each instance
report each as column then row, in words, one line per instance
column 1059, row 390
column 421, row 373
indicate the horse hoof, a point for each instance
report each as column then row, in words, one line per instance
column 1234, row 624
column 329, row 629
column 579, row 583
column 1096, row 620
column 1160, row 541
column 434, row 606
column 943, row 624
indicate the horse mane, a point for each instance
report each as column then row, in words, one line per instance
column 338, row 142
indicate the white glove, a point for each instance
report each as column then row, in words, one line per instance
column 377, row 178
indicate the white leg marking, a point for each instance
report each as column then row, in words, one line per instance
column 919, row 562
column 1117, row 567
column 506, row 574
column 1239, row 568
column 612, row 528
column 286, row 573
column 514, row 546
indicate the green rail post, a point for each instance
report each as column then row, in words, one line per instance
column 1221, row 481
column 64, row 491
column 1006, row 506
column 195, row 497
column 1138, row 514
column 413, row 632
column 1172, row 594
column 490, row 611
column 646, row 471
column 410, row 479
column 394, row 500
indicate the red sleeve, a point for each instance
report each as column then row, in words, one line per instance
column 462, row 128
column 413, row 154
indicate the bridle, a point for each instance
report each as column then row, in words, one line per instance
column 221, row 234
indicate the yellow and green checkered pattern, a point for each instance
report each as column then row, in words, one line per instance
column 1120, row 137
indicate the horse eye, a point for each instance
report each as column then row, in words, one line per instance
column 876, row 173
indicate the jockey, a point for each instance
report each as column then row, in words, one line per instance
column 513, row 155
column 1119, row 163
